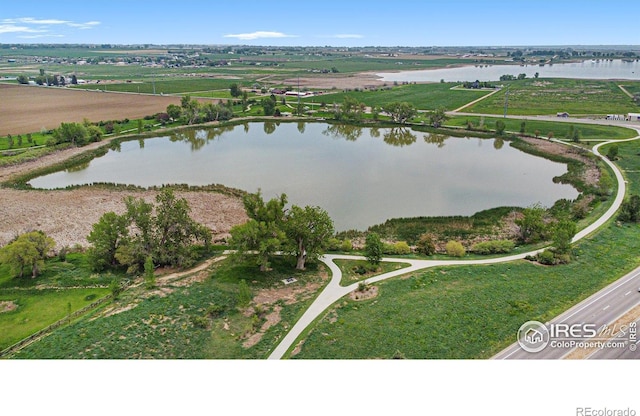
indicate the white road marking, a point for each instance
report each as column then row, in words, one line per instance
column 606, row 307
column 627, row 293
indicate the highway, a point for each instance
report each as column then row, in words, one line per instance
column 604, row 307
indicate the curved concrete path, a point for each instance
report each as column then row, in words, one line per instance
column 334, row 291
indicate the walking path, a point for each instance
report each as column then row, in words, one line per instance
column 333, row 291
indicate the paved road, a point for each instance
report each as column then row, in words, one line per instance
column 604, row 307
column 333, row 291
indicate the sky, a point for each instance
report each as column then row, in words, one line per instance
column 321, row 23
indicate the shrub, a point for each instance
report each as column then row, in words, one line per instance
column 333, row 244
column 455, row 249
column 546, row 257
column 426, row 245
column 493, row 247
column 346, row 245
column 401, row 247
column 244, row 293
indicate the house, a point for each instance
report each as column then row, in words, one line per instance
column 633, row 117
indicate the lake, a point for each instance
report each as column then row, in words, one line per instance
column 361, row 176
column 602, row 69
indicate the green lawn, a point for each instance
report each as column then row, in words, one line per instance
column 357, row 270
column 40, row 308
column 422, row 96
column 559, row 129
column 553, row 95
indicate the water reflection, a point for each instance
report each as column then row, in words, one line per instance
column 399, row 136
column 343, row 131
column 436, row 138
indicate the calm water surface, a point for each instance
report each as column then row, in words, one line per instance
column 615, row 69
column 361, row 176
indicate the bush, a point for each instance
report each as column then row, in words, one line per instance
column 401, row 247
column 334, row 244
column 455, row 249
column 346, row 245
column 426, row 245
column 493, row 247
column 546, row 257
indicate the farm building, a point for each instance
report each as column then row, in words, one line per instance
column 633, row 117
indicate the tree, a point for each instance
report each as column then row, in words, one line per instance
column 263, row 232
column 400, row 112
column 175, row 231
column 373, row 248
column 308, row 230
column 500, row 127
column 612, row 154
column 268, row 106
column 630, row 210
column 438, row 117
column 28, row 250
column 523, row 127
column 106, row 236
column 149, row 275
column 573, row 134
column 563, row 233
column 174, row 111
column 190, row 109
column 74, row 133
column 131, row 238
column 426, row 245
column 235, row 90
column 531, row 224
column 74, row 79
column 22, row 79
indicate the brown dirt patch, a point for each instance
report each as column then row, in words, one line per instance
column 7, row 306
column 591, row 175
column 27, row 109
column 339, row 82
column 270, row 320
column 67, row 215
column 369, row 293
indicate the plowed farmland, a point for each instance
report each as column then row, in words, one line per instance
column 28, row 109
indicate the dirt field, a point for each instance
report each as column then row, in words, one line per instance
column 27, row 109
column 67, row 216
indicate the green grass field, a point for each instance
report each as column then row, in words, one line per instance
column 422, row 96
column 475, row 311
column 553, row 95
column 201, row 320
column 559, row 129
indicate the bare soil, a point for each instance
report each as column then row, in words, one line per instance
column 337, row 81
column 27, row 109
column 67, row 215
column 591, row 175
column 7, row 306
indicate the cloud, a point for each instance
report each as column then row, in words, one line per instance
column 347, row 36
column 32, row 25
column 259, row 35
column 87, row 25
column 11, row 28
column 40, row 36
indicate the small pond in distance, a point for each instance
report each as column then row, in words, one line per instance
column 361, row 176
